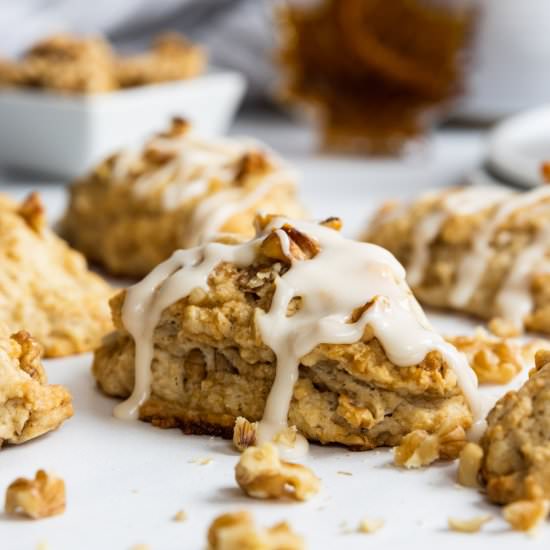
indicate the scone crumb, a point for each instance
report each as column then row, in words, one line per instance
column 43, row 545
column 344, row 473
column 286, row 437
column 244, row 433
column 41, row 497
column 140, row 547
column 472, row 525
column 201, row 461
column 32, row 211
column 525, row 515
column 236, row 531
column 180, row 516
column 370, row 525
column 469, row 464
column 260, row 473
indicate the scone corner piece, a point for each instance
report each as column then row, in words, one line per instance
column 29, row 406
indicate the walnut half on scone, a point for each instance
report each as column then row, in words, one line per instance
column 224, row 320
column 516, row 461
column 45, row 287
column 29, row 406
column 180, row 189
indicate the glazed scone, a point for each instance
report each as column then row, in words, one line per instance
column 516, row 444
column 135, row 208
column 480, row 250
column 64, row 63
column 172, row 57
column 29, row 406
column 220, row 327
column 45, row 287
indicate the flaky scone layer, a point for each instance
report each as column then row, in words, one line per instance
column 29, row 406
column 395, row 226
column 516, row 463
column 210, row 366
column 45, row 287
column 129, row 227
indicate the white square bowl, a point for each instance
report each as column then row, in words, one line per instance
column 63, row 136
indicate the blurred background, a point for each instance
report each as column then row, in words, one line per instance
column 366, row 78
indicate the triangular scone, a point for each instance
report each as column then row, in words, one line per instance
column 483, row 250
column 29, row 406
column 136, row 207
column 516, row 444
column 210, row 363
column 45, row 287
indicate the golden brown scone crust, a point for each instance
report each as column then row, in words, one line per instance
column 29, row 406
column 210, row 366
column 516, row 462
column 172, row 57
column 129, row 233
column 394, row 226
column 45, row 286
column 64, row 63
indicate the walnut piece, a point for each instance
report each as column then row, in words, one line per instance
column 236, row 531
column 494, row 360
column 32, row 211
column 41, row 497
column 472, row 525
column 244, row 433
column 525, row 515
column 180, row 516
column 260, row 473
column 297, row 245
column 333, row 223
column 469, row 465
column 420, row 448
column 503, row 328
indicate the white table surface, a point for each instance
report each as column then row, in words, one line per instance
column 125, row 481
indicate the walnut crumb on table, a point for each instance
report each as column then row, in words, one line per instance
column 37, row 498
column 180, row 516
column 370, row 525
column 472, row 525
column 260, row 473
column 526, row 515
column 237, row 531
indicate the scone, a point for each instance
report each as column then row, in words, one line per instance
column 45, row 287
column 29, row 406
column 172, row 57
column 298, row 325
column 479, row 250
column 516, row 462
column 64, row 63
column 136, row 207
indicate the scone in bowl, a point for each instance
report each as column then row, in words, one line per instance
column 61, row 135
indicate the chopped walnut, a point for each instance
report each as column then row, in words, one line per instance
column 32, row 211
column 469, row 465
column 472, row 525
column 180, row 516
column 370, row 525
column 236, row 531
column 525, row 515
column 244, row 433
column 419, row 448
column 494, row 360
column 287, row 436
column 298, row 245
column 545, row 171
column 36, row 498
column 251, row 163
column 179, row 127
column 260, row 473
